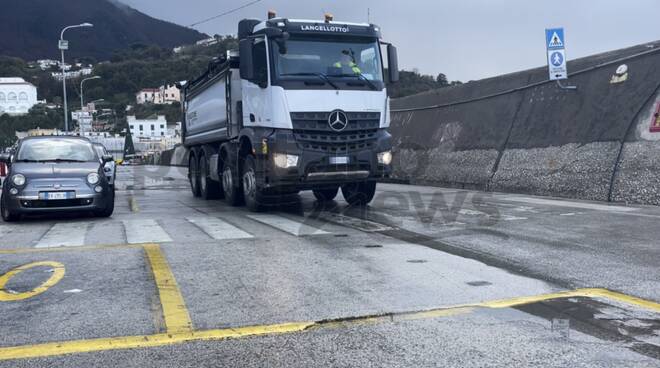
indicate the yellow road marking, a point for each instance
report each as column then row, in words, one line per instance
column 175, row 312
column 170, row 338
column 132, row 203
column 132, row 342
column 58, row 273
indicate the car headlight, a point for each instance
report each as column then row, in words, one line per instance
column 385, row 158
column 18, row 180
column 93, row 178
column 284, row 160
column 107, row 169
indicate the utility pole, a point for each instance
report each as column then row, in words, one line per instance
column 64, row 45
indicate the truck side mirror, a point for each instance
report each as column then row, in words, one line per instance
column 393, row 61
column 5, row 158
column 246, row 59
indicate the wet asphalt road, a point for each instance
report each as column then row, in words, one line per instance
column 182, row 274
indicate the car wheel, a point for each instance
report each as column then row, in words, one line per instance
column 254, row 198
column 208, row 189
column 193, row 176
column 7, row 214
column 232, row 190
column 325, row 195
column 359, row 194
column 109, row 207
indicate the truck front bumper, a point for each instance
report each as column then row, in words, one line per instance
column 317, row 169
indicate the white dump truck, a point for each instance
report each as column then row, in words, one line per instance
column 302, row 105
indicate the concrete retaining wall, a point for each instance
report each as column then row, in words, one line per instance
column 517, row 133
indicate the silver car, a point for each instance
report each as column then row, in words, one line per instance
column 55, row 174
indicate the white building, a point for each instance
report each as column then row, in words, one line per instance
column 166, row 94
column 147, row 128
column 16, row 96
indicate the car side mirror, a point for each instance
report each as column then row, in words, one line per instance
column 5, row 158
column 393, row 61
column 107, row 158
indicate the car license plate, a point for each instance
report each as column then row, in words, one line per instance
column 56, row 195
column 339, row 160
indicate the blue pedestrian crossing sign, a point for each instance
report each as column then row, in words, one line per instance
column 555, row 47
column 554, row 38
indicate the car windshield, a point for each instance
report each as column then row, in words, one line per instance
column 100, row 150
column 338, row 59
column 56, row 149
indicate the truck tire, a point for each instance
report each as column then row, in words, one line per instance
column 7, row 214
column 208, row 189
column 325, row 195
column 254, row 198
column 359, row 194
column 233, row 191
column 193, row 175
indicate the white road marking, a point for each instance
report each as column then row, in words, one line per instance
column 218, row 229
column 564, row 203
column 360, row 224
column 292, row 227
column 64, row 235
column 72, row 291
column 145, row 231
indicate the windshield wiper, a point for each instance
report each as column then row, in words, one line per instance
column 64, row 160
column 320, row 75
column 28, row 160
column 359, row 76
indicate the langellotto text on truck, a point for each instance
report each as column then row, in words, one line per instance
column 302, row 106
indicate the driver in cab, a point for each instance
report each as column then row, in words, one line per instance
column 347, row 64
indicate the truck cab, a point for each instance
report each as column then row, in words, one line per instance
column 303, row 106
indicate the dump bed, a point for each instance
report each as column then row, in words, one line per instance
column 205, row 107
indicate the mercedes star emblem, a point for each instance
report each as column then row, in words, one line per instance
column 338, row 120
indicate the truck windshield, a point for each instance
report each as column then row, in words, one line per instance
column 64, row 150
column 350, row 60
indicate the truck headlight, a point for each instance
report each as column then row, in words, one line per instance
column 18, row 180
column 283, row 160
column 385, row 158
column 93, row 178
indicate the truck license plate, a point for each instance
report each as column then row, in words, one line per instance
column 339, row 160
column 56, row 195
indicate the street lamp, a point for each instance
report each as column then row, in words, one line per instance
column 81, row 89
column 64, row 45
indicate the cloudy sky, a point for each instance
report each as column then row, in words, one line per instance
column 465, row 39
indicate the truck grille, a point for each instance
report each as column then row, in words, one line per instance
column 312, row 131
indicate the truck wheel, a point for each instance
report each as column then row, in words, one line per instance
column 208, row 189
column 193, row 176
column 359, row 194
column 325, row 195
column 253, row 194
column 232, row 190
column 7, row 214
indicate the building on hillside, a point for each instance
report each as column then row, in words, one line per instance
column 170, row 94
column 45, row 64
column 207, row 42
column 147, row 128
column 166, row 94
column 17, row 96
column 149, row 95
